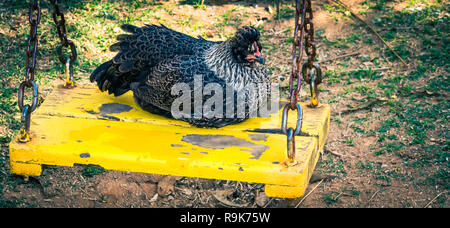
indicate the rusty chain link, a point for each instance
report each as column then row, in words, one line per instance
column 32, row 39
column 303, row 40
column 32, row 45
column 60, row 22
column 34, row 19
column 310, row 46
column 312, row 73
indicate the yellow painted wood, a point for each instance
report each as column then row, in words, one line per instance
column 84, row 126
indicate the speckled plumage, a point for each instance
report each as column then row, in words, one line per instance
column 152, row 59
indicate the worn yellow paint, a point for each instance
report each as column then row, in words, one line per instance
column 83, row 126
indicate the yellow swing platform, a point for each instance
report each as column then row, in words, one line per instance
column 84, row 126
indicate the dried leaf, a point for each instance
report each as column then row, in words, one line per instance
column 261, row 199
column 209, row 34
column 221, row 196
column 166, row 185
column 154, row 198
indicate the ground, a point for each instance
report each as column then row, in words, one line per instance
column 388, row 144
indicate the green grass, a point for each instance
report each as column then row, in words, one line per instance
column 345, row 42
column 332, row 198
column 419, row 110
column 413, row 113
column 349, row 142
column 330, row 165
column 91, row 171
column 287, row 12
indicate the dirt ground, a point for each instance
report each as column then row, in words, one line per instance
column 351, row 172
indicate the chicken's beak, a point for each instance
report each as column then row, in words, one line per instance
column 256, row 57
column 260, row 59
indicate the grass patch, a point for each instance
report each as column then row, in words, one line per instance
column 92, row 171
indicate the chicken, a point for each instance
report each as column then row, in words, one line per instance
column 153, row 59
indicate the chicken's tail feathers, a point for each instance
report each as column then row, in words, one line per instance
column 107, row 80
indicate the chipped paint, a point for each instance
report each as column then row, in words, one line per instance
column 114, row 108
column 275, row 131
column 177, row 145
column 106, row 117
column 85, row 155
column 258, row 137
column 107, row 109
column 225, row 141
column 267, row 131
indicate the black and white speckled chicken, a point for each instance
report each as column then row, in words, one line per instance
column 152, row 59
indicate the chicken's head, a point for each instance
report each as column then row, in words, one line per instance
column 246, row 46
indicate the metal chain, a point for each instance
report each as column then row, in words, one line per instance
column 310, row 46
column 311, row 71
column 32, row 45
column 34, row 18
column 303, row 39
column 60, row 22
